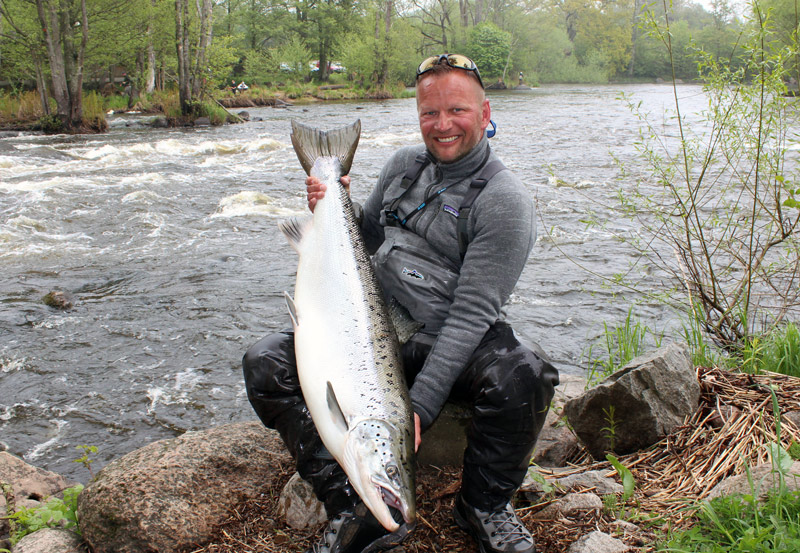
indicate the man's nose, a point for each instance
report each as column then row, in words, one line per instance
column 443, row 121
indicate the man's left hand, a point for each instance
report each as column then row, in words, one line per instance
column 417, row 433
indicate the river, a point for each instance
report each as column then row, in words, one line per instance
column 167, row 241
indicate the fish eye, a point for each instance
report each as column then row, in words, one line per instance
column 391, row 471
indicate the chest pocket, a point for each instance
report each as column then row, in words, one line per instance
column 419, row 278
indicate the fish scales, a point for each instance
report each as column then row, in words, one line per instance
column 347, row 351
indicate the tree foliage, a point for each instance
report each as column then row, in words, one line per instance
column 191, row 45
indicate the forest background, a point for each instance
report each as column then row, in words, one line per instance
column 62, row 47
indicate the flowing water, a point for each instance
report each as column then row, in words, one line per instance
column 167, row 241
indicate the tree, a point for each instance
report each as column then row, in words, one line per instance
column 60, row 20
column 726, row 211
column 193, row 31
column 490, row 48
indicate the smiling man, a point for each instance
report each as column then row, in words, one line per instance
column 450, row 230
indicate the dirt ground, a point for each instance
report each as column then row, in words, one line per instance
column 254, row 528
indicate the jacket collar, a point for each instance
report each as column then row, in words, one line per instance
column 467, row 165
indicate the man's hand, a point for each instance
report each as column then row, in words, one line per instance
column 315, row 190
column 417, row 433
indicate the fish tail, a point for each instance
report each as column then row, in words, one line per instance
column 310, row 143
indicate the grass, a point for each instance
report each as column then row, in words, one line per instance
column 777, row 351
column 742, row 524
column 620, row 344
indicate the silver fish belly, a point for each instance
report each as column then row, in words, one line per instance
column 348, row 355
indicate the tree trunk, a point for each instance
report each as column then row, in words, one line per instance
column 386, row 47
column 634, row 36
column 150, row 77
column 199, row 78
column 66, row 63
column 182, row 46
column 48, row 17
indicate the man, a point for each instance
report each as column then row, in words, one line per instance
column 453, row 264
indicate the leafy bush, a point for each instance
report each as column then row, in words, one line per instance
column 56, row 513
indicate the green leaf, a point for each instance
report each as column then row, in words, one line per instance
column 628, row 482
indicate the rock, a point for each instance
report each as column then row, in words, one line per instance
column 30, row 484
column 598, row 542
column 443, row 444
column 594, row 480
column 171, row 494
column 299, row 506
column 638, row 405
column 791, row 416
column 159, row 122
column 764, row 478
column 723, row 415
column 202, row 122
column 499, row 85
column 244, row 115
column 556, row 442
column 570, row 504
column 50, row 540
column 58, row 300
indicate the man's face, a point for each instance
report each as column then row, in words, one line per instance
column 453, row 114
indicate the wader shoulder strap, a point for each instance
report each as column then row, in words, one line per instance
column 412, row 174
column 476, row 187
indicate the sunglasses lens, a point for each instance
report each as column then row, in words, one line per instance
column 463, row 62
column 427, row 64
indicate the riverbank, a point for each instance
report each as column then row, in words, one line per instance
column 230, row 492
column 24, row 112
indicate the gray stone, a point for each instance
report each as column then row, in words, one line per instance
column 598, row 542
column 594, row 480
column 569, row 505
column 171, row 494
column 556, row 442
column 299, row 506
column 791, row 416
column 202, row 122
column 50, row 540
column 764, row 479
column 643, row 402
column 443, row 444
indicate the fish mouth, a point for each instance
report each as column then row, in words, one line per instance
column 391, row 500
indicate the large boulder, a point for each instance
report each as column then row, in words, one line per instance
column 171, row 494
column 638, row 405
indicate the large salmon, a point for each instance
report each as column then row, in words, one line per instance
column 348, row 355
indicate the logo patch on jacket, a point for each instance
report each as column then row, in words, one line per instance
column 450, row 209
column 413, row 273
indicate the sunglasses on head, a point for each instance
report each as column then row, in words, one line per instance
column 453, row 60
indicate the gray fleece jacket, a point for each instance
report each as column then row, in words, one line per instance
column 501, row 229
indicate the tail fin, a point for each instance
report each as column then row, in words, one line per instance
column 310, row 143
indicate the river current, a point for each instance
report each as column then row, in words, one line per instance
column 167, row 241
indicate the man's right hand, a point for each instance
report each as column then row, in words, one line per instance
column 315, row 189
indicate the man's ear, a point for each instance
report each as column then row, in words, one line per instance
column 486, row 114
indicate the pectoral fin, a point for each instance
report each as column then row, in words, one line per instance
column 292, row 308
column 335, row 409
column 294, row 229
